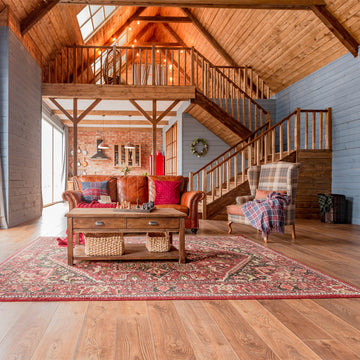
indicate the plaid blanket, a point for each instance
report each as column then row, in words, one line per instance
column 267, row 215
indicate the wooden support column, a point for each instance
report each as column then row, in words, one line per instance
column 75, row 119
column 154, row 139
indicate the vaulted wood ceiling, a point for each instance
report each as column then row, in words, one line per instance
column 282, row 46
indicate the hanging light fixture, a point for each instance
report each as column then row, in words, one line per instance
column 103, row 145
column 129, row 144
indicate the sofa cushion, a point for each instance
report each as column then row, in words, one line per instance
column 152, row 189
column 179, row 207
column 131, row 188
column 93, row 190
column 95, row 178
column 167, row 192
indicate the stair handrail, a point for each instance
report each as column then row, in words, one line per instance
column 233, row 147
column 263, row 146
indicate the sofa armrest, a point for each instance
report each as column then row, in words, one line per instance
column 73, row 197
column 191, row 199
column 240, row 200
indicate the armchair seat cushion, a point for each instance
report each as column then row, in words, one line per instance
column 235, row 210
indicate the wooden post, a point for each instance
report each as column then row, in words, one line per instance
column 192, row 66
column 75, row 133
column 313, row 140
column 191, row 181
column 306, row 131
column 281, row 141
column 242, row 166
column 154, row 139
column 273, row 149
column 204, row 189
column 153, row 64
column 321, row 125
column 297, row 129
column 328, row 129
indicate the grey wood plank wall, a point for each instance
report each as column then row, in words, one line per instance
column 336, row 85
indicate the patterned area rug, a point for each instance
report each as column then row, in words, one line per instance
column 218, row 267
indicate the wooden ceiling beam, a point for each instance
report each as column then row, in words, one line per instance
column 231, row 4
column 120, row 123
column 115, row 112
column 336, row 28
column 36, row 15
column 163, row 19
column 86, row 111
column 174, row 34
column 147, row 116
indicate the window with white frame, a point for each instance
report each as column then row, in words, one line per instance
column 92, row 17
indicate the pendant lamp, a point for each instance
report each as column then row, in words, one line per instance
column 129, row 144
column 103, row 144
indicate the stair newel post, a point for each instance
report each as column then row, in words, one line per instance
column 192, row 66
column 204, row 189
column 297, row 129
column 191, row 181
column 328, row 129
column 153, row 64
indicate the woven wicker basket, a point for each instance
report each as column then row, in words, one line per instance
column 158, row 242
column 104, row 244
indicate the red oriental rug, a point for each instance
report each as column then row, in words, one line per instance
column 218, row 267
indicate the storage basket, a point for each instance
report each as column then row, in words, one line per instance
column 158, row 242
column 104, row 244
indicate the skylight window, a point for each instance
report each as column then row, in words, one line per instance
column 92, row 17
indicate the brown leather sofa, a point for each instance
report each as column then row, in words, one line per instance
column 133, row 187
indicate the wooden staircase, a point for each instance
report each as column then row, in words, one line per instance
column 225, row 177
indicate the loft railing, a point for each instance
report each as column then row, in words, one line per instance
column 160, row 66
column 302, row 129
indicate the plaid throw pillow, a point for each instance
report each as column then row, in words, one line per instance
column 92, row 190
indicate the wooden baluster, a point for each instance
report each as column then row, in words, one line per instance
column 204, row 214
column 192, row 66
column 221, row 177
column 245, row 79
column 179, row 78
column 203, row 75
column 238, row 105
column 235, row 169
column 114, row 64
column 297, row 129
column 228, row 175
column 87, row 66
column 256, row 119
column 289, row 135
column 243, row 166
column 257, row 152
column 68, row 64
column 166, row 68
column 262, row 89
column 198, row 182
column 243, row 109
column 251, row 83
column 250, row 162
column 185, row 72
column 321, row 125
column 101, row 67
column 273, row 146
column 213, row 185
column 268, row 92
column 146, row 67
column 172, row 67
column 266, row 144
column 197, row 69
column 191, row 181
column 250, row 114
column 306, row 130
column 126, row 68
column 313, row 130
column 257, row 86
column 82, row 66
column 328, row 129
column 75, row 67
column 281, row 140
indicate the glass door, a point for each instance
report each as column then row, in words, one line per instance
column 52, row 161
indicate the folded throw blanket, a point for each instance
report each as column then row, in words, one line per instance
column 267, row 215
column 95, row 204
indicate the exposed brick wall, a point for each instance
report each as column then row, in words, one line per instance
column 87, row 141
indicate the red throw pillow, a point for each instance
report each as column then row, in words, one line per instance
column 262, row 194
column 167, row 192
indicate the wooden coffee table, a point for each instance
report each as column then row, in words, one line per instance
column 106, row 220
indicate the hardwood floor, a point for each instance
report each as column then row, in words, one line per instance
column 268, row 329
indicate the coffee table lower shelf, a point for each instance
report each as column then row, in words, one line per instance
column 132, row 252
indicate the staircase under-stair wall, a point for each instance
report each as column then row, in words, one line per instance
column 303, row 136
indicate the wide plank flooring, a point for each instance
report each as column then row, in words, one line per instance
column 306, row 329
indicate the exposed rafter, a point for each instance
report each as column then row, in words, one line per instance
column 164, row 19
column 232, row 4
column 336, row 28
column 36, row 15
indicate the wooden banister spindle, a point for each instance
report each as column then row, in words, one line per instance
column 281, row 141
column 213, row 185
column 204, row 188
column 313, row 130
column 228, row 175
column 152, row 64
column 191, row 181
column 288, row 136
column 328, row 129
column 273, row 144
column 235, row 169
column 243, row 166
column 297, row 129
column 321, row 130
column 306, row 130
